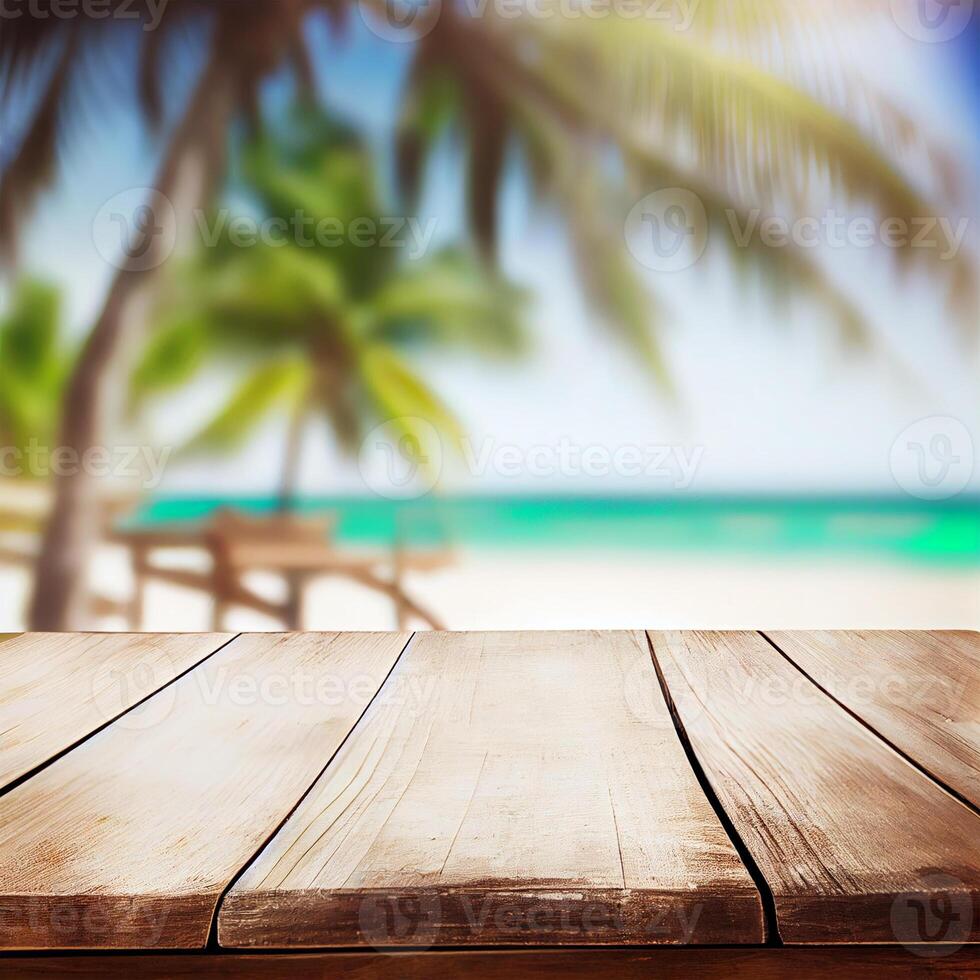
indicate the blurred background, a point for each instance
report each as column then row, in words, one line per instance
column 488, row 314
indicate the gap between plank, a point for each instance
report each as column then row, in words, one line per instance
column 959, row 797
column 759, row 879
column 212, row 941
column 41, row 766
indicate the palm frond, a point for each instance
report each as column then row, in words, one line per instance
column 403, row 398
column 606, row 272
column 273, row 385
column 450, row 300
column 25, row 47
column 726, row 180
column 269, row 291
column 34, row 166
column 488, row 143
column 441, row 90
column 428, row 105
column 742, row 126
column 175, row 352
column 162, row 51
column 784, row 271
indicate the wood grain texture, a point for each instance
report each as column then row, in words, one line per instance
column 920, row 690
column 129, row 839
column 855, row 843
column 657, row 963
column 504, row 788
column 57, row 688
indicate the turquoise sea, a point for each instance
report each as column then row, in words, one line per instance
column 894, row 528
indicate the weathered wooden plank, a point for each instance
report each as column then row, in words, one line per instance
column 503, row 788
column 855, row 843
column 920, row 690
column 57, row 688
column 662, row 963
column 129, row 839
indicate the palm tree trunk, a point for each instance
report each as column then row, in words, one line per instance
column 294, row 454
column 295, row 581
column 193, row 160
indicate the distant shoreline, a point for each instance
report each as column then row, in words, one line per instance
column 946, row 532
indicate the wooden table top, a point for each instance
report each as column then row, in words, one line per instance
column 375, row 790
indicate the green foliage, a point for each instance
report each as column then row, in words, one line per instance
column 450, row 301
column 34, row 364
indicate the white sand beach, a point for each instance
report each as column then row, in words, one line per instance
column 485, row 589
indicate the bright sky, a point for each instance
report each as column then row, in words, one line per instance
column 767, row 401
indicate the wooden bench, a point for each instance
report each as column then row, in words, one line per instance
column 297, row 548
column 495, row 804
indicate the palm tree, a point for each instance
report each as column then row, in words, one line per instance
column 321, row 328
column 600, row 107
column 247, row 40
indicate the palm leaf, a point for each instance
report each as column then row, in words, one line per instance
column 608, row 275
column 488, row 142
column 429, row 104
column 743, row 126
column 401, row 397
column 271, row 386
column 174, row 354
column 449, row 300
column 34, row 165
column 273, row 293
